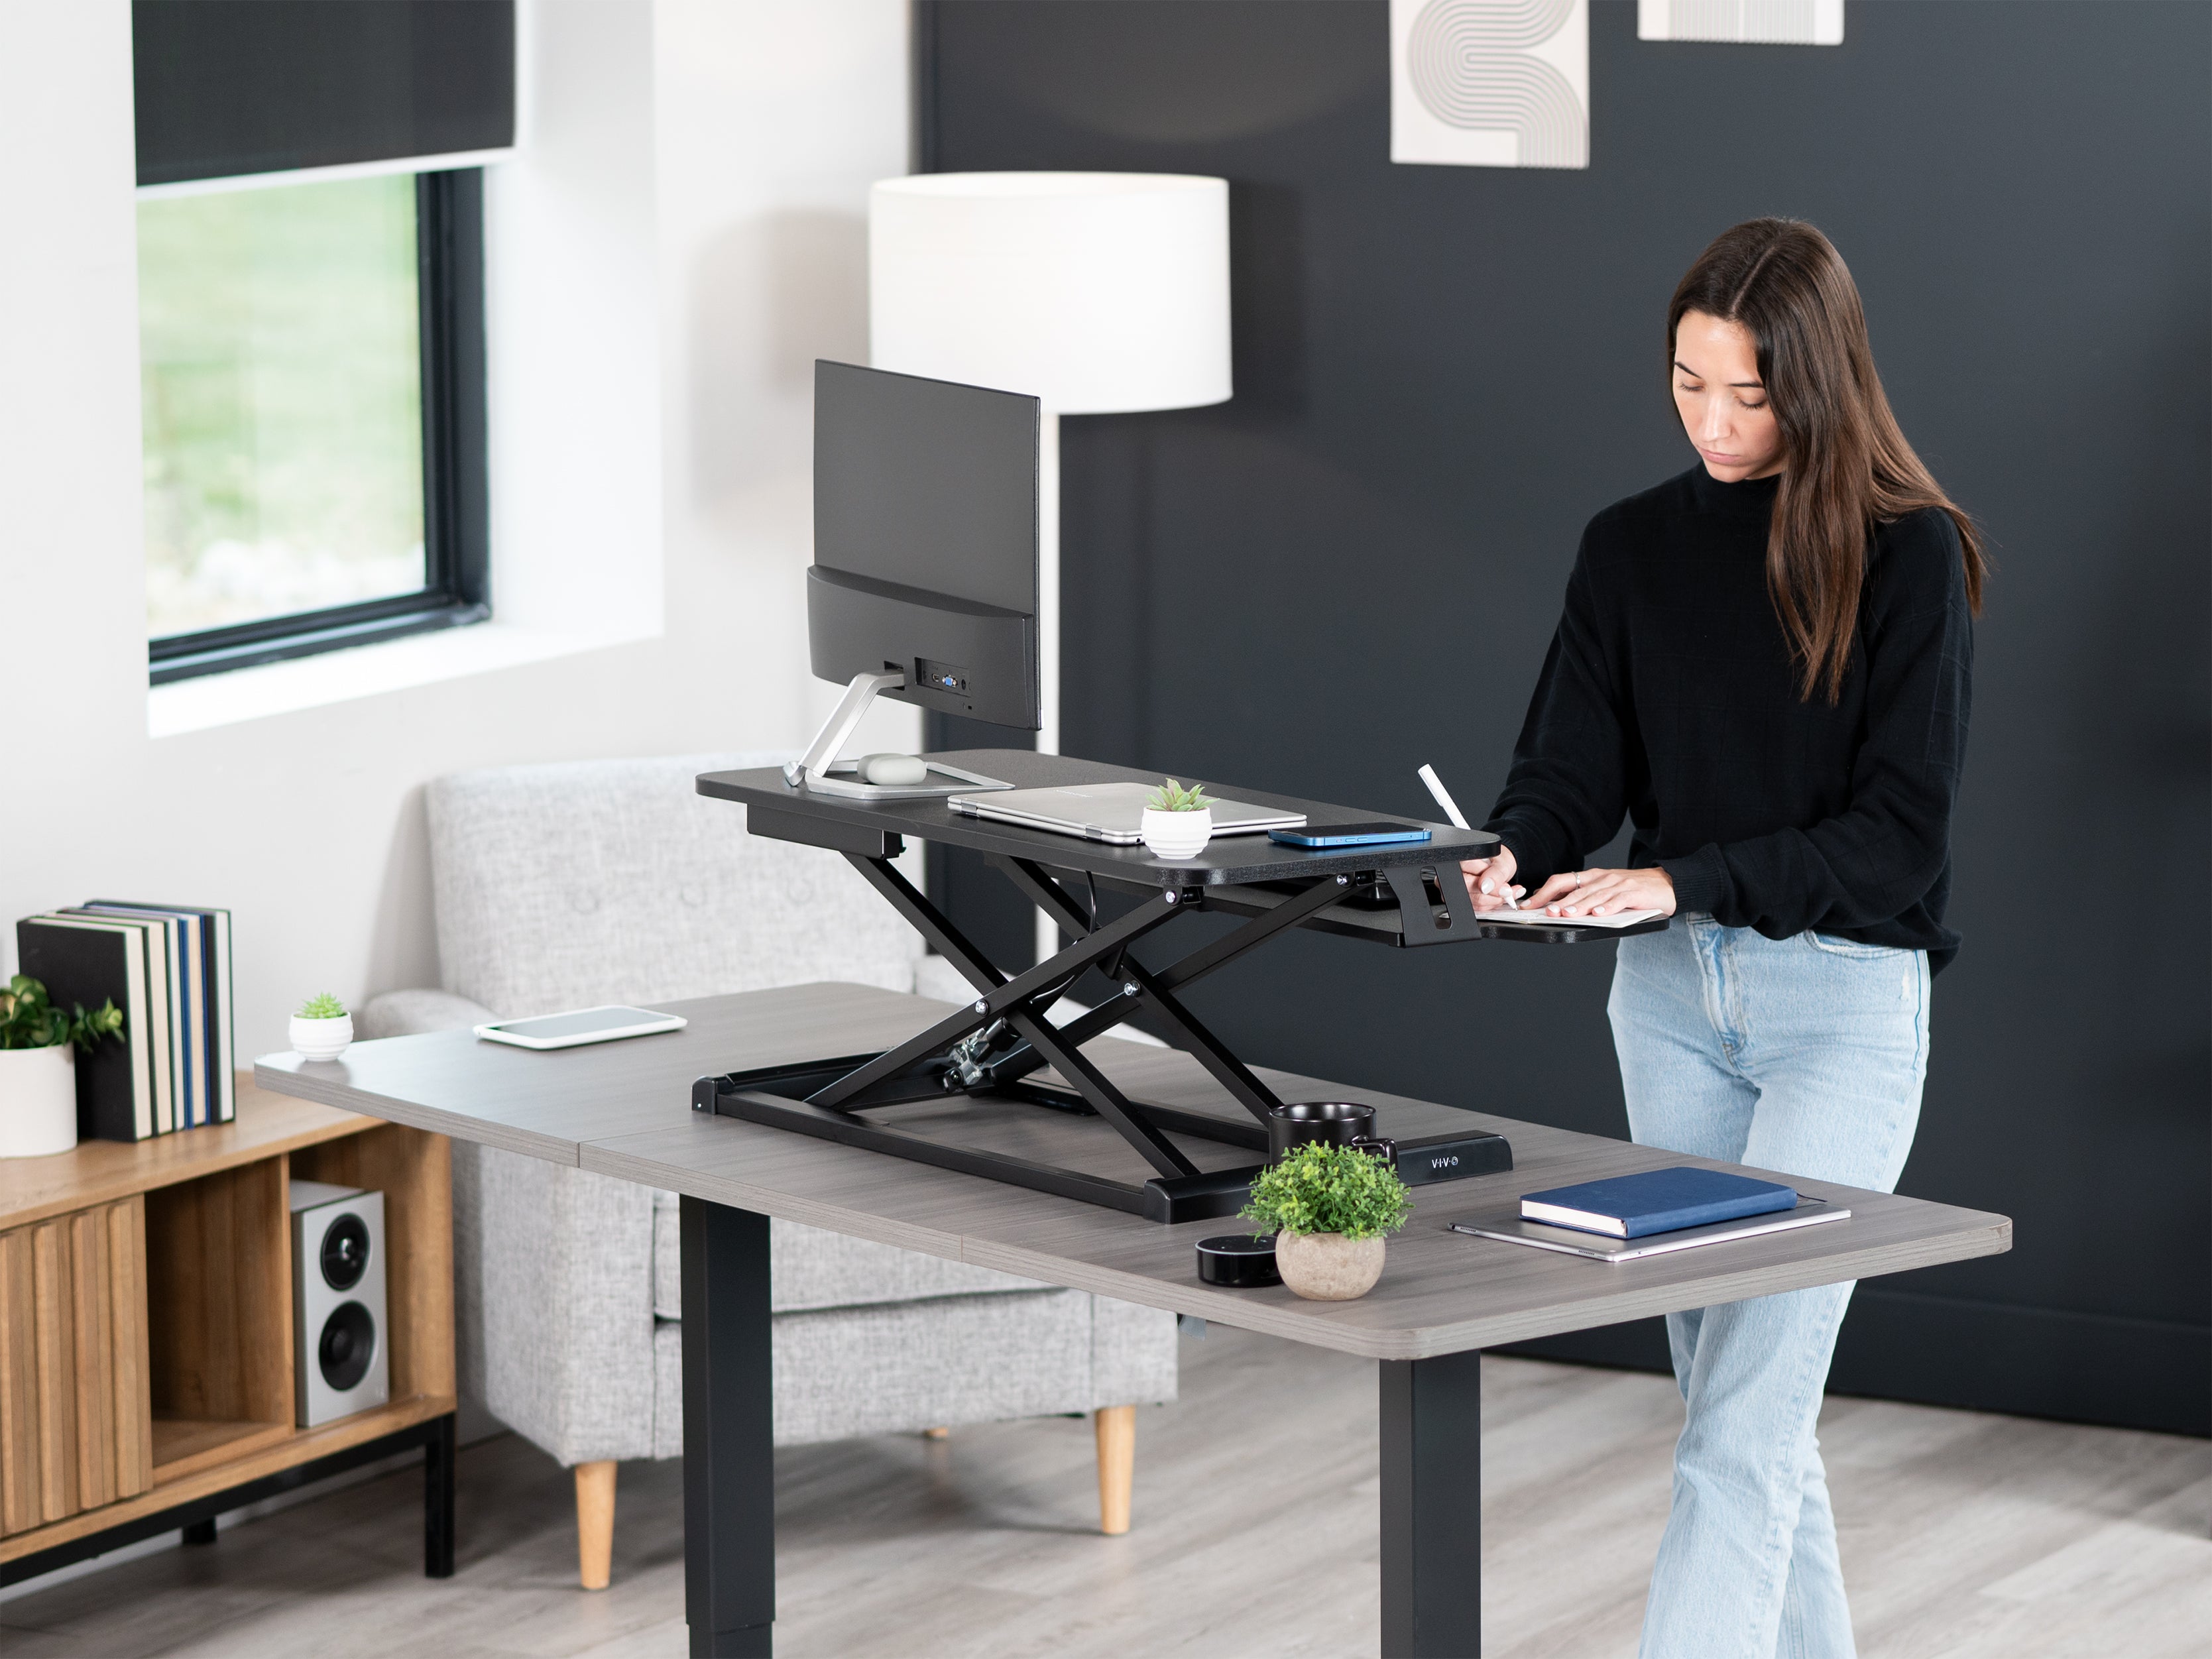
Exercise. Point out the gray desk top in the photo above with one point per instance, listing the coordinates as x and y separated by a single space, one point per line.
624 1109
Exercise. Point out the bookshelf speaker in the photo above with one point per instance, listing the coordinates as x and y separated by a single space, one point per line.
339 1360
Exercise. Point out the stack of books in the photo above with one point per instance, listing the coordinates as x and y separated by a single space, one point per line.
167 968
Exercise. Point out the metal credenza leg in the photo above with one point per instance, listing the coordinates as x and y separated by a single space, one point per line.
1432 1506
438 1454
729 1455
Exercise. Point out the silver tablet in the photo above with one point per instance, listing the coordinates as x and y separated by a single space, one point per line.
583 1025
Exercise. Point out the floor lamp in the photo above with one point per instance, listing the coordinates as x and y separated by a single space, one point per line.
1097 292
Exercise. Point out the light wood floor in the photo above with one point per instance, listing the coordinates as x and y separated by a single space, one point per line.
1964 1536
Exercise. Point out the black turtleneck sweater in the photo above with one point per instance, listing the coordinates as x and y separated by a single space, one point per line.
1669 696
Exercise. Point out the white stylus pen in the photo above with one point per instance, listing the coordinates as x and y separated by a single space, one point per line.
1443 796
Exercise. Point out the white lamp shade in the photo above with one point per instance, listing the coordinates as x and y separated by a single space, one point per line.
1097 293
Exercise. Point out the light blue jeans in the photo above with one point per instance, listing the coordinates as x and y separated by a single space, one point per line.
1804 1056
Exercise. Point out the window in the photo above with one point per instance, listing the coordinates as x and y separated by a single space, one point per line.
311 317
311 363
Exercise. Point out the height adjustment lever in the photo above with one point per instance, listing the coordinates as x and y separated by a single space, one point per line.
968 1062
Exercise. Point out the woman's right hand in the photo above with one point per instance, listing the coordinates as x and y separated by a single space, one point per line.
1490 881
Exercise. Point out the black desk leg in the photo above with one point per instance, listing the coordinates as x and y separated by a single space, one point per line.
729 1456
438 1499
1432 1507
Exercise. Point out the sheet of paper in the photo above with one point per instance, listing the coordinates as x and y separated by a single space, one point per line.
1538 919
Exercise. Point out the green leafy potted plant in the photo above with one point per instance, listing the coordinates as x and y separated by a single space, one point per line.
38 1066
322 1028
1178 822
1329 1208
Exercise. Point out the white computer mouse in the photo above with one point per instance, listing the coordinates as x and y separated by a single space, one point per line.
898 770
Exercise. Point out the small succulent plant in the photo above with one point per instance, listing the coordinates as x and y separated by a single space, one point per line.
324 1007
28 1019
1172 797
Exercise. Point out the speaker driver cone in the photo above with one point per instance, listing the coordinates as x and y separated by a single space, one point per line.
347 1345
346 1252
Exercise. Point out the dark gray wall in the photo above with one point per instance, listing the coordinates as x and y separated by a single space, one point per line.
1442 372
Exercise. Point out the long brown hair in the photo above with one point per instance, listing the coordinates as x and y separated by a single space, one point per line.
1846 466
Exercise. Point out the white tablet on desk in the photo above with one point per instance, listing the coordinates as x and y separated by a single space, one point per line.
583 1025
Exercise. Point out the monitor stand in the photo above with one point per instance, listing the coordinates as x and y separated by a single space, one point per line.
820 772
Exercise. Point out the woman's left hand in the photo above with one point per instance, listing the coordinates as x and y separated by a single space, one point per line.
1603 893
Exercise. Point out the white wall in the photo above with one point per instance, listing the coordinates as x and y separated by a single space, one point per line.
707 162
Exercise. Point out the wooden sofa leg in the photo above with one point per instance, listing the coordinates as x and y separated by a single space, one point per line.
1117 1467
595 1524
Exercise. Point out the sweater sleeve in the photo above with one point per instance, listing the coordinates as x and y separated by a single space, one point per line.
1881 853
1566 792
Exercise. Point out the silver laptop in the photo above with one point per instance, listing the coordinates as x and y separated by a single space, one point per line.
1111 812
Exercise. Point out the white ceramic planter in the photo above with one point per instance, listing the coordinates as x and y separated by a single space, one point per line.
38 1101
1329 1266
321 1039
1177 835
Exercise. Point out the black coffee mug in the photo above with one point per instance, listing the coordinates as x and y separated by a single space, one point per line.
1337 1122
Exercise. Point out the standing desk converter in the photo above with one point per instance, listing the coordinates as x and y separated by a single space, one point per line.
1409 895
626 1109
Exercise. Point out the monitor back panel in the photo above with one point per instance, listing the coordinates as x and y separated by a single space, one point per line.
926 539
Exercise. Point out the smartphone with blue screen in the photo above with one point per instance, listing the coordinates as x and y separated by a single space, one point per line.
1374 834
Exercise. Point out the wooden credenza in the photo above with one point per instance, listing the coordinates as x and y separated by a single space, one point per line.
76 1414
146 1368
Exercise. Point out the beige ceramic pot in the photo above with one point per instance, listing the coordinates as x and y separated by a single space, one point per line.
1329 1266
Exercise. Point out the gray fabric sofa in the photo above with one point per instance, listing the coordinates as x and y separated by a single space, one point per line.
561 886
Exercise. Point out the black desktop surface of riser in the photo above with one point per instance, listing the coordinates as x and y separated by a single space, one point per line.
1227 861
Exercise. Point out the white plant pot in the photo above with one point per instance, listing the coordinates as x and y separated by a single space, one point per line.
1177 835
321 1039
38 1101
1329 1266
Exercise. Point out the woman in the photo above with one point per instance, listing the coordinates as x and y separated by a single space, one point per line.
1764 664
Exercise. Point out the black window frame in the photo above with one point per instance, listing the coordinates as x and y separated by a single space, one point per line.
456 494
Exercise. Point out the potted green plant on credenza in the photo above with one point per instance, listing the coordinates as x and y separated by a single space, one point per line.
38 1066
1330 1208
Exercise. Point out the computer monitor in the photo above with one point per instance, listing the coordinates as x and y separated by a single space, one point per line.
926 541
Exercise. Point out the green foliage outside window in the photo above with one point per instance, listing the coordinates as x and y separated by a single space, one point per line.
281 400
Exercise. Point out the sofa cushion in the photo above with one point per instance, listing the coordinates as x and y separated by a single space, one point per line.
809 1268
552 1332
608 881
405 1013
1132 1352
946 1362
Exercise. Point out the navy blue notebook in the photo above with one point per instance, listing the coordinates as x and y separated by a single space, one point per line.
1657 1202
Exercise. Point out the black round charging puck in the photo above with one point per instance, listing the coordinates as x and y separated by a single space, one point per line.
1241 1261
